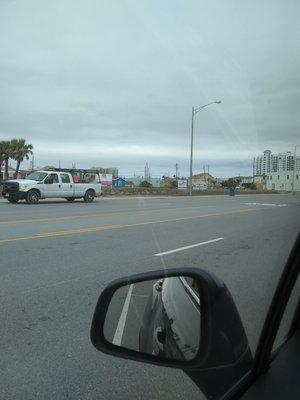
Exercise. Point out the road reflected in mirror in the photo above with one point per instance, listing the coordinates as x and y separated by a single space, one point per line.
159 317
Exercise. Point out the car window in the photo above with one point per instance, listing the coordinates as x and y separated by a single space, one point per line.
54 177
65 178
37 176
189 113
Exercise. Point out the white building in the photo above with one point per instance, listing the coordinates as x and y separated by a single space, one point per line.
262 164
279 162
246 179
283 181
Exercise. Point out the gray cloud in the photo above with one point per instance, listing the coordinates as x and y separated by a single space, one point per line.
113 83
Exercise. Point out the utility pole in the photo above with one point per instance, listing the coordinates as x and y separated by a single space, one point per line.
293 182
147 173
195 111
208 176
192 146
253 168
176 168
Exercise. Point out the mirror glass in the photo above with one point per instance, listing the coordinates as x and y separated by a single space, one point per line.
159 317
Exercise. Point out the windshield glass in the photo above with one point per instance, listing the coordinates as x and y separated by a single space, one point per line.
36 176
188 114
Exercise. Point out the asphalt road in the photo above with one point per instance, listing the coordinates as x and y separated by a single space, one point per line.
56 257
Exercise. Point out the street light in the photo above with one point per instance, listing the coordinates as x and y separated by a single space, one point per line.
294 168
195 110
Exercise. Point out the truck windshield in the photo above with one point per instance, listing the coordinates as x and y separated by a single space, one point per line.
37 176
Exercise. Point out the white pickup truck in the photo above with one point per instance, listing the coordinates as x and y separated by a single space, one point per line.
68 184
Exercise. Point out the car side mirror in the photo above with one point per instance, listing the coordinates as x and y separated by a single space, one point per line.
48 181
181 318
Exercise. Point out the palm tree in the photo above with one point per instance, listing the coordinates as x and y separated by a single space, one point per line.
5 154
20 150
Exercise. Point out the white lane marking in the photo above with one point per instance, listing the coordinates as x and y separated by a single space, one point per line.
188 247
266 204
121 324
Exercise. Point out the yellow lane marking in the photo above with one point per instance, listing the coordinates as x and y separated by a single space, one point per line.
63 233
72 217
79 231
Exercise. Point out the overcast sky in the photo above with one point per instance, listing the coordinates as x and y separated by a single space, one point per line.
112 83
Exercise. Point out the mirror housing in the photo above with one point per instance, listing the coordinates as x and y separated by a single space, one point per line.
224 352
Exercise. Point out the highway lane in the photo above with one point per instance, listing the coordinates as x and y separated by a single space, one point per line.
46 219
50 285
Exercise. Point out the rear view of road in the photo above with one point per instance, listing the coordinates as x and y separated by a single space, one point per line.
56 257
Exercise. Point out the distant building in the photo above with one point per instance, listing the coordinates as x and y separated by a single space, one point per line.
246 179
112 171
259 178
106 180
155 182
219 181
205 177
137 180
48 168
197 183
279 162
260 182
202 181
262 164
283 181
118 183
11 172
23 173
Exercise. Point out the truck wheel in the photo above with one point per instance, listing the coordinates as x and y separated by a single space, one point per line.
70 198
12 199
32 197
89 196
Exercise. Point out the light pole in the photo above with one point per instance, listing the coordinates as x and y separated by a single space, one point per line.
32 162
294 168
195 110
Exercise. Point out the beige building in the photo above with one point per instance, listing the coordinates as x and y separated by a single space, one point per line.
203 178
260 182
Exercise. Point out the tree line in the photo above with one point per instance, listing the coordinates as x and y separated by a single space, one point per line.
14 149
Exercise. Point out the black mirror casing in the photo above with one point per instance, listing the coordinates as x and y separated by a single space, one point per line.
97 329
224 355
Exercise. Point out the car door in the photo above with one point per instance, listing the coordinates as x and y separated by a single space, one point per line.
67 189
278 359
52 186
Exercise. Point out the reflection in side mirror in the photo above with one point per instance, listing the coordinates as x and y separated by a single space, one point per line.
157 317
182 318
